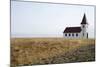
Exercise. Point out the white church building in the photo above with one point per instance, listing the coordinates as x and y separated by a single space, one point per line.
77 32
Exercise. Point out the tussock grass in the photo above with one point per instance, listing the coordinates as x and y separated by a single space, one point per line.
33 51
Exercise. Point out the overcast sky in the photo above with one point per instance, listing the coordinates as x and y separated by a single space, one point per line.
31 19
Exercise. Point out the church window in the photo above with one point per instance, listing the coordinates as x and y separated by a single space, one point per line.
69 34
65 34
76 34
73 34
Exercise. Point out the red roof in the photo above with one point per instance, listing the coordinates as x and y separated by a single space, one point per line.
72 30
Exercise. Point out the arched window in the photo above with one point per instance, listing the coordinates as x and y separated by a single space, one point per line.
73 34
66 34
69 34
76 34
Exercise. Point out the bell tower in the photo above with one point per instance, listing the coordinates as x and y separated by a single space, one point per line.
84 26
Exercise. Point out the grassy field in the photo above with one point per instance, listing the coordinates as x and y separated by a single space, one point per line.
34 51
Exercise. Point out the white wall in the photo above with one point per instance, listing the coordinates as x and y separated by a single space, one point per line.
85 35
84 30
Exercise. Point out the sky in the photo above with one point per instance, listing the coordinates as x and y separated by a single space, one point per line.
33 19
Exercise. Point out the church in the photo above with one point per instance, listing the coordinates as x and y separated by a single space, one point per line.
77 32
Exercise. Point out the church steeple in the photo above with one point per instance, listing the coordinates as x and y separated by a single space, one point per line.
84 21
84 26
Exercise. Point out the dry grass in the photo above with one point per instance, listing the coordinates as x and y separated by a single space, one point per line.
33 51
